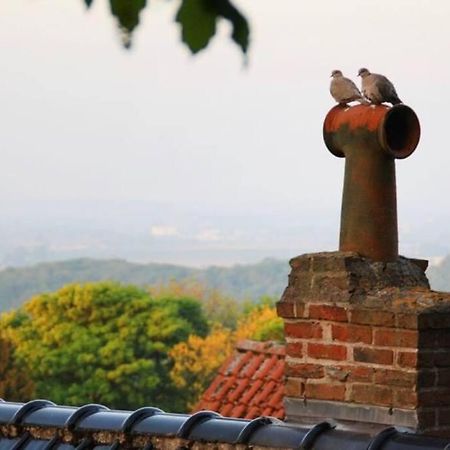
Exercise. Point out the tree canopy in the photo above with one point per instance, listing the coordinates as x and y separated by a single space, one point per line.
103 343
197 18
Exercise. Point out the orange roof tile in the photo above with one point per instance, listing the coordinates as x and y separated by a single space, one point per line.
250 383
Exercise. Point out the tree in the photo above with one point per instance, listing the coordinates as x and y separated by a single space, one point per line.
15 383
218 308
103 343
260 322
197 18
197 360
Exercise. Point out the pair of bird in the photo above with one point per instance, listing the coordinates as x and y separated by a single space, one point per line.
375 88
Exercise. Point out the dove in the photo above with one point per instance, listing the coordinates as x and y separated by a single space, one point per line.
377 88
343 90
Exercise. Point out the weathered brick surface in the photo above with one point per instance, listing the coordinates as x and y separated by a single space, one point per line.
305 370
347 373
390 377
294 349
294 387
371 394
373 355
351 333
372 317
328 312
427 378
303 329
439 396
327 351
406 321
407 359
405 398
395 338
325 391
368 333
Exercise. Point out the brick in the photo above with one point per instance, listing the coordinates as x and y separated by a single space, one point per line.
327 351
371 394
305 370
290 309
374 356
372 317
285 309
361 373
434 397
427 418
303 330
407 359
425 358
337 373
350 373
328 312
435 320
409 321
395 338
351 333
294 387
443 377
441 432
426 378
434 339
405 398
391 377
325 391
301 263
294 349
441 358
443 416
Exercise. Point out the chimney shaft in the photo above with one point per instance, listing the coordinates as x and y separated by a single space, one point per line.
370 138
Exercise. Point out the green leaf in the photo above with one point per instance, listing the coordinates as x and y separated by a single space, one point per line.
88 3
127 14
198 23
241 30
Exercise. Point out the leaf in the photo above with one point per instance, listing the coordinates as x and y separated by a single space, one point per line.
241 30
127 14
198 23
88 3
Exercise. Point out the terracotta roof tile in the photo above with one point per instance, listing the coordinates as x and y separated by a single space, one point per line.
250 383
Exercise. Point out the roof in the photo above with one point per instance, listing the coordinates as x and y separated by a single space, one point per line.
250 383
42 425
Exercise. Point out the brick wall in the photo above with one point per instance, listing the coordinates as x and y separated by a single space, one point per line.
366 341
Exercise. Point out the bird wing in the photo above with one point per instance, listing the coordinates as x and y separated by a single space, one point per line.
344 90
386 88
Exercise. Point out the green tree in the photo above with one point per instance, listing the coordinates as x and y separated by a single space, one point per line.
104 343
197 18
15 382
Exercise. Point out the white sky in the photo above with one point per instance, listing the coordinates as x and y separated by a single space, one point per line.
82 119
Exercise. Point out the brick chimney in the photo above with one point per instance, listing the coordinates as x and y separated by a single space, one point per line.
367 340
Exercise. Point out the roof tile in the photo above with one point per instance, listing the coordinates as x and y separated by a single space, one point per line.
250 383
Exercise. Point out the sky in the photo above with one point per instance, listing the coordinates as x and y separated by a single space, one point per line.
226 153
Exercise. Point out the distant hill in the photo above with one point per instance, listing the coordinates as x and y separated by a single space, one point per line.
268 277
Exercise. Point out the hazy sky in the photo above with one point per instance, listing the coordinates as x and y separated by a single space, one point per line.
84 120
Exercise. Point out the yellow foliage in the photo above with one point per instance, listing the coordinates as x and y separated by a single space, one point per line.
197 360
260 324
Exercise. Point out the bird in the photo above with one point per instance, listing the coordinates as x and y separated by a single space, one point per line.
377 88
343 90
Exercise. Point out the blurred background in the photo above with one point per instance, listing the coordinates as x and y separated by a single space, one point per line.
152 154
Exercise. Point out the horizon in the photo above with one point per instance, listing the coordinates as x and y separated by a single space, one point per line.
224 161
